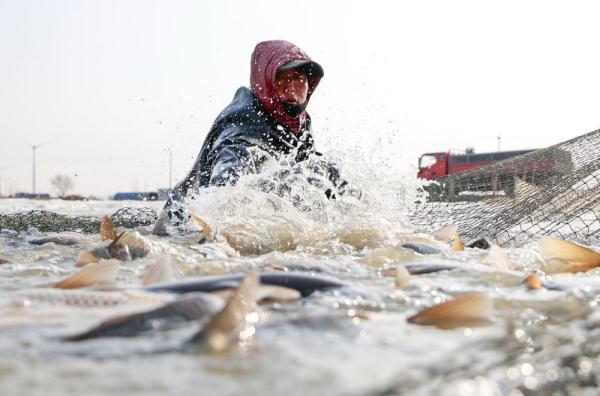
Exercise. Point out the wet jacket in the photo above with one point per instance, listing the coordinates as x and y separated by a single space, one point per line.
238 141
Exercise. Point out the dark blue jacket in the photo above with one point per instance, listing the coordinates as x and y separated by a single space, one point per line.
237 142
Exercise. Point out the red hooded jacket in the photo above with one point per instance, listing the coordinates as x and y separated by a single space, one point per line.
267 58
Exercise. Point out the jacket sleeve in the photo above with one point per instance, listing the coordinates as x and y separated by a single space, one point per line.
232 159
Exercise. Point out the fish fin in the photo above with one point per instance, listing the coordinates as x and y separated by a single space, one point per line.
131 239
563 256
273 293
402 277
457 245
202 224
160 227
107 324
498 259
533 282
107 229
117 241
228 324
445 233
84 257
468 310
160 272
101 272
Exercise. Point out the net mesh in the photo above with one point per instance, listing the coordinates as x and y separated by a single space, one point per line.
549 192
45 221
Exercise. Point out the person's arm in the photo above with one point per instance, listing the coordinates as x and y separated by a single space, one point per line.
231 160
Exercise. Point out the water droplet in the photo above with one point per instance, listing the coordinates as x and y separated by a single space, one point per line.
578 339
585 366
530 383
526 369
551 375
513 374
520 334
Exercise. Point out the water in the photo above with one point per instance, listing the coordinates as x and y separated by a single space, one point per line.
353 341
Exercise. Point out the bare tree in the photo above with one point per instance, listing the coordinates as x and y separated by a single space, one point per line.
63 184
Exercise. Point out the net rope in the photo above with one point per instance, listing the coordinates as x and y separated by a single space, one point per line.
549 192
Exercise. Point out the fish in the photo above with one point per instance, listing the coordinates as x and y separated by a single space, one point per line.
190 307
127 246
107 230
102 272
563 256
498 259
206 230
160 272
423 268
421 248
306 284
4 261
468 310
56 239
267 294
457 244
85 298
402 278
234 324
160 227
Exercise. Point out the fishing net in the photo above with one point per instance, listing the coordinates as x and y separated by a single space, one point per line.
45 221
548 192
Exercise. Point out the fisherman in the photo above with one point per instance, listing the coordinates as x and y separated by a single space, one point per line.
267 120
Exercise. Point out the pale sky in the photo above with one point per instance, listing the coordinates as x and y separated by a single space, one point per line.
112 84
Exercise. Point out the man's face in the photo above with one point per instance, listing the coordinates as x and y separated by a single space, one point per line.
292 86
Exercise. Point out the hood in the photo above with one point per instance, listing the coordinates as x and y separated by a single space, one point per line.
267 58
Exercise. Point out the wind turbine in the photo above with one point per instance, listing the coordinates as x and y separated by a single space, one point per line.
33 148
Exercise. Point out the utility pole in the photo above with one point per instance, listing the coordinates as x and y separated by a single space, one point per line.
170 168
33 148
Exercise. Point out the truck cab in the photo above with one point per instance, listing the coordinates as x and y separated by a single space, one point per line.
433 165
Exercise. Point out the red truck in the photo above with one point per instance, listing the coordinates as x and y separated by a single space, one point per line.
436 165
536 169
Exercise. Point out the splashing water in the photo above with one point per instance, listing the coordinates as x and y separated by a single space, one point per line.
354 340
285 207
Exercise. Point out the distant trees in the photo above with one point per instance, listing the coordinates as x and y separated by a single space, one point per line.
63 184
